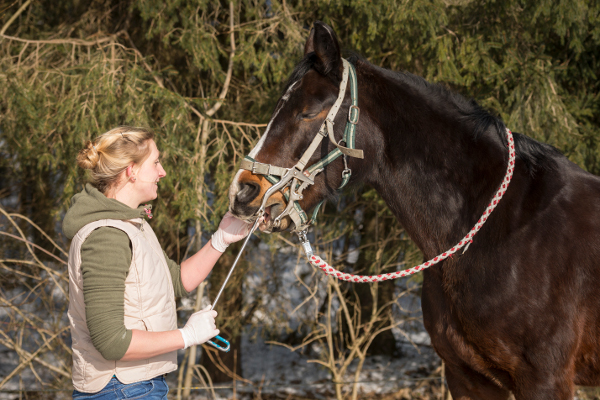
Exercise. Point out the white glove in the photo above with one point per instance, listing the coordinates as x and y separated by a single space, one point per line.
199 328
231 229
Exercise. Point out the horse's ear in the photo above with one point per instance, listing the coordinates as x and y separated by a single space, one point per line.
309 46
324 43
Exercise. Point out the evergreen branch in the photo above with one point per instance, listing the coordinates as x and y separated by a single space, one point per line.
159 81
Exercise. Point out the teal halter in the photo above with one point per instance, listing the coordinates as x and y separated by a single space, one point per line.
297 177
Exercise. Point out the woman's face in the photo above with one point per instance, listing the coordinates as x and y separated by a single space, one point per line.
148 175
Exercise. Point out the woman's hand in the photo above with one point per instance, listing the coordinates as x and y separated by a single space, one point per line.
199 328
231 230
195 269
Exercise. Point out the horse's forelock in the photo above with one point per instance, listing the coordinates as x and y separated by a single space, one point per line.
305 65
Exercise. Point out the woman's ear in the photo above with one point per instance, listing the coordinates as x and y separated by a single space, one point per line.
129 172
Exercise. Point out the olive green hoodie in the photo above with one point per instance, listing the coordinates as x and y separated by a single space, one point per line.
105 261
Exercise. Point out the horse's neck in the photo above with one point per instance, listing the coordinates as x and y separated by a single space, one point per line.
433 174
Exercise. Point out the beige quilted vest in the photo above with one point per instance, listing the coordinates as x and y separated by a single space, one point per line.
149 306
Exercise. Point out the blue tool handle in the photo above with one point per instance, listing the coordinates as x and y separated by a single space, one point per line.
219 338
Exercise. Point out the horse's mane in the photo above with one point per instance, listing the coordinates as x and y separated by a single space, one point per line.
533 154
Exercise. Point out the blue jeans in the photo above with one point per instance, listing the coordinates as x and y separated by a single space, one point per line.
154 389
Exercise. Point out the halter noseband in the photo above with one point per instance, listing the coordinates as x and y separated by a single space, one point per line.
297 178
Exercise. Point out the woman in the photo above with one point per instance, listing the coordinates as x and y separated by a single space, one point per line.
122 286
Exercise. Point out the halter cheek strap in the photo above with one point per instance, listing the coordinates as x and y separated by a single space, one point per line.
297 178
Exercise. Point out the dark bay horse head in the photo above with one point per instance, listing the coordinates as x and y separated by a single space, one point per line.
309 94
519 311
409 130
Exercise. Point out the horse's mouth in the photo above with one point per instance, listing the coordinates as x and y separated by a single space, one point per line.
264 225
271 213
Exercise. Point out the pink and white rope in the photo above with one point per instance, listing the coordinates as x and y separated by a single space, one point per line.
329 270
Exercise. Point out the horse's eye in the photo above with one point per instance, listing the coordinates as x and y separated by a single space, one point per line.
307 115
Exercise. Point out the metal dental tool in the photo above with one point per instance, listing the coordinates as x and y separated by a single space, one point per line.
260 213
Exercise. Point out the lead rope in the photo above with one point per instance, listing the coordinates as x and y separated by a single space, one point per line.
465 242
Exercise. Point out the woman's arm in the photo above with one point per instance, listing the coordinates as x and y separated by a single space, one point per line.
145 344
106 257
196 268
199 328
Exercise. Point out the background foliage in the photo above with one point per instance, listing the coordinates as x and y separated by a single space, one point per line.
73 69
206 75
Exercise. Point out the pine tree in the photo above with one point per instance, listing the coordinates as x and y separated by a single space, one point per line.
206 76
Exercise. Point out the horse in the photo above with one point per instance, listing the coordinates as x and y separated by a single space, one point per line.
519 312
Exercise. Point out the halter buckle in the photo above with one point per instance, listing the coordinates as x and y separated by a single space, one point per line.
350 119
323 129
260 168
347 171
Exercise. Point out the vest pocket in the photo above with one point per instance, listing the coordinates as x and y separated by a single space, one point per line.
135 323
148 324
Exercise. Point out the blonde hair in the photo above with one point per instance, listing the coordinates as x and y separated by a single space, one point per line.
111 153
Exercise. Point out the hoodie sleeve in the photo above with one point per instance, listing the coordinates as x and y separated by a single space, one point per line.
105 260
175 270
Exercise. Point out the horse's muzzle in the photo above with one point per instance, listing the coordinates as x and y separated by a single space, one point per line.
246 196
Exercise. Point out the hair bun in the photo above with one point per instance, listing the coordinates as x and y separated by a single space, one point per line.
108 155
88 157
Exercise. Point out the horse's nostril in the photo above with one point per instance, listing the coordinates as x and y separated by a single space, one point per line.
248 192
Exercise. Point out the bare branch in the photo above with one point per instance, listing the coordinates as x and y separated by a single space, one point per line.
15 16
28 243
218 104
222 121
41 231
79 42
51 367
32 356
